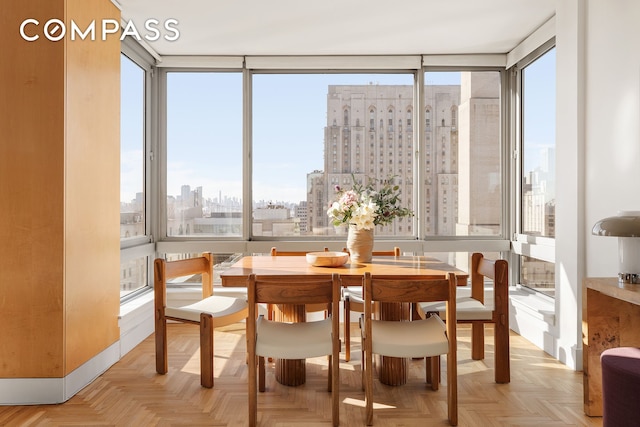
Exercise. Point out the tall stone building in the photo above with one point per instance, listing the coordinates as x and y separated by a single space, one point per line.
480 190
370 133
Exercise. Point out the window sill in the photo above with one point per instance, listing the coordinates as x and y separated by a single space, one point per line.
537 306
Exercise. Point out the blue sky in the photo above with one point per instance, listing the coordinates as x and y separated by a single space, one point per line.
539 106
204 128
131 114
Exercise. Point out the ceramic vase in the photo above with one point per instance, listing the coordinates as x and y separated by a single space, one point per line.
359 244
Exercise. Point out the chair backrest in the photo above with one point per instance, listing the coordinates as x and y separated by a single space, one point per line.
394 252
411 289
164 270
496 270
276 252
293 288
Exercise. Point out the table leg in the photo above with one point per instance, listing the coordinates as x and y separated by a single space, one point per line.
393 370
291 372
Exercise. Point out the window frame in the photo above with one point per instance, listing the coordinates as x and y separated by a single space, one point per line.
142 246
539 247
250 65
338 71
160 174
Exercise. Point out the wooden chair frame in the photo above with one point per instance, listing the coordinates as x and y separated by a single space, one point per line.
164 270
356 304
412 289
292 289
498 271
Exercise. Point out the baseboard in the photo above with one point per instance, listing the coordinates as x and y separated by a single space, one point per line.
136 324
42 391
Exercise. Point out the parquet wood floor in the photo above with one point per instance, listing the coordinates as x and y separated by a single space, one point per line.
542 392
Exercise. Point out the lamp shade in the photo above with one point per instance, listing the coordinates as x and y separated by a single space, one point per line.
626 224
626 227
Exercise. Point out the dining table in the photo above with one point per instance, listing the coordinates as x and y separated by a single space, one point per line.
391 370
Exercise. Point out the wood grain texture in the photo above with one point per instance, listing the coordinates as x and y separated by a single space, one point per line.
542 391
92 187
611 319
59 174
31 183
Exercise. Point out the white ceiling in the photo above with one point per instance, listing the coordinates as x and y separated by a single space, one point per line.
346 27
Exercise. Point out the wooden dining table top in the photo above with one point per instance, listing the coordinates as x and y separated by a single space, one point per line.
350 274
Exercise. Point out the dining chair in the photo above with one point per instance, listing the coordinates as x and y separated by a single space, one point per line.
211 312
422 338
475 310
353 301
287 340
309 307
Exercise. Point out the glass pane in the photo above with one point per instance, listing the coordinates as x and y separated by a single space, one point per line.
132 133
537 275
313 132
461 159
538 146
133 275
204 154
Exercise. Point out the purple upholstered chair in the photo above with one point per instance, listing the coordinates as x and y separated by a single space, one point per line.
621 387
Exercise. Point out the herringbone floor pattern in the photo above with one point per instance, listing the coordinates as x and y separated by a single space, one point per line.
542 391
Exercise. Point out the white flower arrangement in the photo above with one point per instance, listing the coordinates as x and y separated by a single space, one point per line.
365 207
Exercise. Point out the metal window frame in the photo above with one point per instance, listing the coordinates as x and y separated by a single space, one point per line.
386 64
143 246
538 247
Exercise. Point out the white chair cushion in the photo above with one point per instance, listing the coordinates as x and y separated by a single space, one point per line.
467 309
298 340
354 293
225 310
419 338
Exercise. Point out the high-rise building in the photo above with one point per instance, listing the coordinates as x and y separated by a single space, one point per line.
370 134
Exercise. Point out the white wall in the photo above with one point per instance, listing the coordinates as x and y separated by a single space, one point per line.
598 158
598 148
569 238
612 126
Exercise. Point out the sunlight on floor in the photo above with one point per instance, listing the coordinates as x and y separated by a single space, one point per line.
360 403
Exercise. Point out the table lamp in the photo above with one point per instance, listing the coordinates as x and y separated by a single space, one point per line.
626 226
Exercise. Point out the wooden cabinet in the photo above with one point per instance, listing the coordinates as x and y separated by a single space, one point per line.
611 318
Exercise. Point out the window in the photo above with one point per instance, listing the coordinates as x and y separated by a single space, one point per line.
244 183
538 174
204 154
132 148
284 158
538 146
468 161
135 252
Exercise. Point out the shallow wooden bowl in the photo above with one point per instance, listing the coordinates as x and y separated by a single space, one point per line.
327 259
